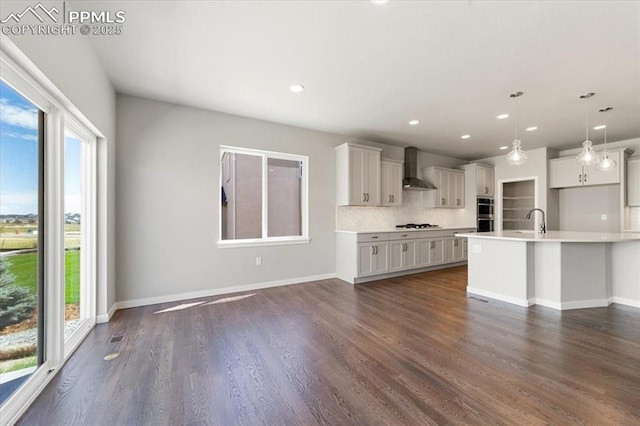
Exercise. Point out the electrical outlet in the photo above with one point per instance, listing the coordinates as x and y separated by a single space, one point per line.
603 217
258 261
476 248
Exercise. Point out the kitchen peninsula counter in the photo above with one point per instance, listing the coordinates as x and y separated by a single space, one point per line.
559 269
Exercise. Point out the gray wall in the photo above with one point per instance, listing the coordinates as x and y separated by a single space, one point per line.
582 207
72 66
168 196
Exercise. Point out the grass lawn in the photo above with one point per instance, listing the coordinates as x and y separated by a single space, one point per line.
25 267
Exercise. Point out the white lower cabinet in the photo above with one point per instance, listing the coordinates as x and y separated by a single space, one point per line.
373 259
363 256
402 255
430 252
454 250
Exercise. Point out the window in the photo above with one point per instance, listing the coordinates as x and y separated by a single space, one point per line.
263 198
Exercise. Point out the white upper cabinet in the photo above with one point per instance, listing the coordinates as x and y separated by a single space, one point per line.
481 177
391 183
484 181
565 172
450 188
633 182
358 175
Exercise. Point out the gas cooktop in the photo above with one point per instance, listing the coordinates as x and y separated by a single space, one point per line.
418 226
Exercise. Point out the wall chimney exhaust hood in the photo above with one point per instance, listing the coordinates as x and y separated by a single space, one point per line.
411 180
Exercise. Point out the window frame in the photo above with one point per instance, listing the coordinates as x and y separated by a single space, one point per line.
304 200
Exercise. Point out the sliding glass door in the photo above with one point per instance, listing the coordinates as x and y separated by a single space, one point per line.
21 239
48 241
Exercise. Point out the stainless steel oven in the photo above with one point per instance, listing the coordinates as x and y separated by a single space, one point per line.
484 214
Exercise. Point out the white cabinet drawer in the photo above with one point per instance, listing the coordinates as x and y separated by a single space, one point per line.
364 238
409 235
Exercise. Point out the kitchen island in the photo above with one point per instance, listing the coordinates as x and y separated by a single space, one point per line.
558 269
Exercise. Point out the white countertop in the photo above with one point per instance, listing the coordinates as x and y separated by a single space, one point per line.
380 231
556 236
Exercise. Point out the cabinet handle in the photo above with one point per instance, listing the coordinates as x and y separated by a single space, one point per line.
580 178
443 201
457 201
455 242
486 189
585 178
373 250
389 199
364 197
393 198
433 244
376 249
404 246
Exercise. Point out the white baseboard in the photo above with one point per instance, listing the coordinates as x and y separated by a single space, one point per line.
547 303
514 300
582 304
218 291
625 301
106 317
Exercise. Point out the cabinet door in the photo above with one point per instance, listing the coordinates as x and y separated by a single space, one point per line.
484 181
365 259
593 176
357 195
565 173
449 254
381 259
410 255
456 183
423 257
633 182
396 184
372 178
386 183
437 251
396 252
458 249
442 193
390 184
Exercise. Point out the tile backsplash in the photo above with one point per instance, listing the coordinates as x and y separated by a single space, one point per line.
411 211
632 219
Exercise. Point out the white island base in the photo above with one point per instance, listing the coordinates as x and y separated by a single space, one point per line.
561 270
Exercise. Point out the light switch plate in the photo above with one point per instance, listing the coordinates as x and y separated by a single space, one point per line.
476 248
603 216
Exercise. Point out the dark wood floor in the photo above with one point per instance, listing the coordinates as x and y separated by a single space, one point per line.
411 350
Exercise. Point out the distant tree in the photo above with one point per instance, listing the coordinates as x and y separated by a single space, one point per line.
16 303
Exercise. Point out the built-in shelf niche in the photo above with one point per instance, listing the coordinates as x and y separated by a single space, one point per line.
518 198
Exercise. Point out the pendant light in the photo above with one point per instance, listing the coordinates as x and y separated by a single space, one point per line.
516 156
605 164
587 157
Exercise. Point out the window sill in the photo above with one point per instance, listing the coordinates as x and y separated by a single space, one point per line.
226 244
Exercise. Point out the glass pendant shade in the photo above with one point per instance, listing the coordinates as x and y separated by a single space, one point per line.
516 156
605 164
587 157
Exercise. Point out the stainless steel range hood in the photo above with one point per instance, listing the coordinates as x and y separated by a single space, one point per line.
411 180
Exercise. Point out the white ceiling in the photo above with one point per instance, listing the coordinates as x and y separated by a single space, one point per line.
368 69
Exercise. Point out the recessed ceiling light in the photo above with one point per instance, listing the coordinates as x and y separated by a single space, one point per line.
296 88
414 122
465 136
379 1
600 127
502 148
502 116
531 129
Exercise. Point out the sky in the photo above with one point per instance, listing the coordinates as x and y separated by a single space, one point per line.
19 157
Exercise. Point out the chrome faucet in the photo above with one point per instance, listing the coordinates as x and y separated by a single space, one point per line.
543 227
